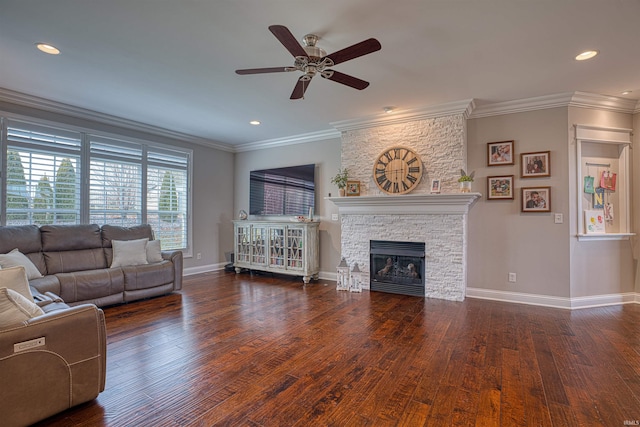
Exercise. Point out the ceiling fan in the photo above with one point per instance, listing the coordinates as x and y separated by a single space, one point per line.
312 60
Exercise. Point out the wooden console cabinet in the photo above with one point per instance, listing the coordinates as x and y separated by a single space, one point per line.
284 247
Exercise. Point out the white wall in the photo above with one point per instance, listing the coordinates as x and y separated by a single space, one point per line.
326 156
502 239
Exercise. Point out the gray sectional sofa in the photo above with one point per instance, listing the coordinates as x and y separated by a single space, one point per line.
75 261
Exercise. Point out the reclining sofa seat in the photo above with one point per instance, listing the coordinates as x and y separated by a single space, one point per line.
74 261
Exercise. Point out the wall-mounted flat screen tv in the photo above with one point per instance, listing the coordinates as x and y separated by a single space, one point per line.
282 191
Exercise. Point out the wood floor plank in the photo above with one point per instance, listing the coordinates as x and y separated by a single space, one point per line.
262 350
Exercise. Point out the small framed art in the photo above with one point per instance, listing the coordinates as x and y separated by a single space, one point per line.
534 165
353 188
500 153
435 186
500 187
536 199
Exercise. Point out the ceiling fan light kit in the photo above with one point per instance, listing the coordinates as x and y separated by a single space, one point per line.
311 60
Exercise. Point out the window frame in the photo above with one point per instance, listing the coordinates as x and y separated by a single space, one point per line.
17 121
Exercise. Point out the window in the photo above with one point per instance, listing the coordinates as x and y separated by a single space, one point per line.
43 176
57 176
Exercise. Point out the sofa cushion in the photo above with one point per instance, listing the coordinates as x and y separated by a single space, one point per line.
114 232
129 252
15 308
91 284
78 260
15 258
70 237
24 237
147 276
154 252
16 278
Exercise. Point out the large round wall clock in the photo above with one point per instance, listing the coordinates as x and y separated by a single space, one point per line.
397 170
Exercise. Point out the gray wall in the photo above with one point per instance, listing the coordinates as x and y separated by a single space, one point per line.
326 156
502 239
212 192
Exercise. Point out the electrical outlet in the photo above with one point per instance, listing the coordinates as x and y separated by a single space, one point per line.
198 255
334 217
558 219
512 277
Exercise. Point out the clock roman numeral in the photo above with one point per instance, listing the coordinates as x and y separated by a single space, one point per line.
415 159
388 156
380 162
380 171
396 153
386 186
396 187
405 187
381 179
414 169
412 178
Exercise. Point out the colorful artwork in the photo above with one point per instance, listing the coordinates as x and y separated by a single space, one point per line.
598 198
594 222
588 184
608 181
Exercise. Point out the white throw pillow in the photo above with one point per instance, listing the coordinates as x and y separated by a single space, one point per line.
129 252
154 251
16 258
14 308
16 278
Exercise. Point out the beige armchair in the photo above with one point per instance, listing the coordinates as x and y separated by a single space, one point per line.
50 363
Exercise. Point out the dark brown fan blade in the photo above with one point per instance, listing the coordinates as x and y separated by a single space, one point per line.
359 49
264 70
345 79
287 39
301 87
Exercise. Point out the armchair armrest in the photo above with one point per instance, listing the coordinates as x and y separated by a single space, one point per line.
51 363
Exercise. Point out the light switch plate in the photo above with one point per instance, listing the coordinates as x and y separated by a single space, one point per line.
558 218
334 217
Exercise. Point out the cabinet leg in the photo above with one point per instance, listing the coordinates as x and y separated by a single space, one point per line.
306 279
315 277
238 270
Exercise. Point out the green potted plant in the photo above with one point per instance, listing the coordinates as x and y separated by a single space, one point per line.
465 181
340 180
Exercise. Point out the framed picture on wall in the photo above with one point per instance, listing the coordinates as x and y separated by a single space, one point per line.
500 153
500 187
534 165
353 188
536 199
435 186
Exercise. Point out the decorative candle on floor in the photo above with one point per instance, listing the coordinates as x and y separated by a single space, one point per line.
356 279
343 276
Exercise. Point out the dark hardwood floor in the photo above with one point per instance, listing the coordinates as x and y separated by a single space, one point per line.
262 351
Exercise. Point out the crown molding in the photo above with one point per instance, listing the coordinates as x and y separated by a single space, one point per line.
30 101
637 109
464 107
567 99
289 140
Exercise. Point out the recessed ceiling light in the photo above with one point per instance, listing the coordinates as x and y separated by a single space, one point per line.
627 92
388 110
254 122
588 54
47 48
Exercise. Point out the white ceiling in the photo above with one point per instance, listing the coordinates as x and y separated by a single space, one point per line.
171 63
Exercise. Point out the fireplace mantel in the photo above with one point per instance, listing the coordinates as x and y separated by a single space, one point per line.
408 204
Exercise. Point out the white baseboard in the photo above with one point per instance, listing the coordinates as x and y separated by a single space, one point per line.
203 269
552 301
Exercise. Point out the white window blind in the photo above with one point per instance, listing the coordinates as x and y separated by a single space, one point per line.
167 195
43 175
115 182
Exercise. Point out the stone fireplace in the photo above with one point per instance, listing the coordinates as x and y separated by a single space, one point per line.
439 221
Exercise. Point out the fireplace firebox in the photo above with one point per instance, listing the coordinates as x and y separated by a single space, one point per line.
397 267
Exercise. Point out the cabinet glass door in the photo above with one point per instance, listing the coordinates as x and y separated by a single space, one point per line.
276 243
259 242
295 238
243 251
